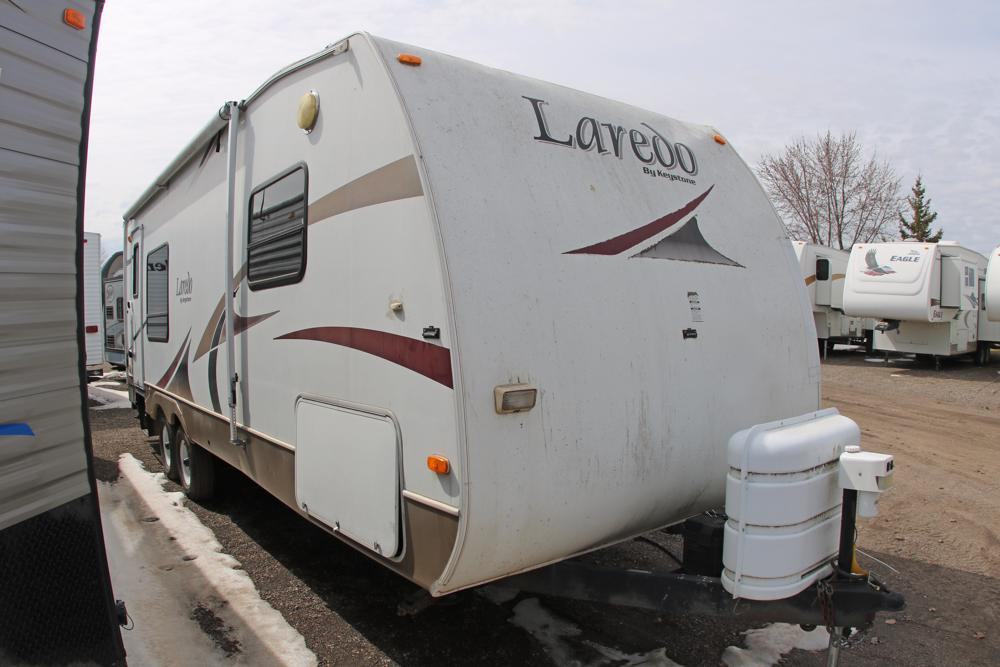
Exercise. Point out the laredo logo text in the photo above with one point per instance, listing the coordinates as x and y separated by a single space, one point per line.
184 288
610 139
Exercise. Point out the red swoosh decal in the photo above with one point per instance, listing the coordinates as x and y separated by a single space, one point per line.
431 361
625 241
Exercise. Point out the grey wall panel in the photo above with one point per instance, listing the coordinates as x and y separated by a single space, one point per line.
34 18
42 102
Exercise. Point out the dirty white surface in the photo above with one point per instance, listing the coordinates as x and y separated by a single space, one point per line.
107 397
766 645
189 602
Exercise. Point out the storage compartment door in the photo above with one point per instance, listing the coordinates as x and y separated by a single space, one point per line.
347 472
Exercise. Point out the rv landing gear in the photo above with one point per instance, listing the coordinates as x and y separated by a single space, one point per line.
983 353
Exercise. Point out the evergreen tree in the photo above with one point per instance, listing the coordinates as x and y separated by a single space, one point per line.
918 228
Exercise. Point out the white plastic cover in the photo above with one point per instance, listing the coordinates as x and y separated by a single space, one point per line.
783 502
993 286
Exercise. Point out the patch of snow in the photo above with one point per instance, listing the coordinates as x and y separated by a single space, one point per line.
263 634
766 645
556 636
109 398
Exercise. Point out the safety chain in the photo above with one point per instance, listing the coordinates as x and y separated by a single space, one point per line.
824 593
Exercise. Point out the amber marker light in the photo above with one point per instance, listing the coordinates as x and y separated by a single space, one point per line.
74 18
719 139
409 59
439 464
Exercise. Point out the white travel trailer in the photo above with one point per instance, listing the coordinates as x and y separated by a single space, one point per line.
928 297
479 323
114 310
93 313
992 299
823 269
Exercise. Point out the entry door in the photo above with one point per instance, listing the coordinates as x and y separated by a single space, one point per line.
134 317
823 281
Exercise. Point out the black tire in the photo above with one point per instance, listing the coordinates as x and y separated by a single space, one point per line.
168 447
196 467
982 353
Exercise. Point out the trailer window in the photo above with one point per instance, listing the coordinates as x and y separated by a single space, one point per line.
276 233
970 277
158 294
120 309
135 270
822 269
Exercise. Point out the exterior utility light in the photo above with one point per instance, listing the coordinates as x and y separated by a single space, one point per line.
74 18
308 111
439 464
409 59
509 398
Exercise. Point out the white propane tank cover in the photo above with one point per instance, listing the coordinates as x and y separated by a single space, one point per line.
783 502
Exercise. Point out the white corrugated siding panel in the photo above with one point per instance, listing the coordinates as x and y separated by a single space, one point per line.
41 103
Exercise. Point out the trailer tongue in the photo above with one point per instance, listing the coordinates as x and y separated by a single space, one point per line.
786 543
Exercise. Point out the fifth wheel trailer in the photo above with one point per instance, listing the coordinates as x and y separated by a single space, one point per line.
473 324
823 270
929 298
57 605
992 299
114 310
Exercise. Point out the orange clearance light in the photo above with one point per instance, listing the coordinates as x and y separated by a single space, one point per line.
719 139
409 59
439 464
74 19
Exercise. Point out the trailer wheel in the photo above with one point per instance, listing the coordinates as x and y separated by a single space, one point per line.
168 447
196 467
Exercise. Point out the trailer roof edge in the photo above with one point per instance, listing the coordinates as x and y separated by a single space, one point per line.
218 123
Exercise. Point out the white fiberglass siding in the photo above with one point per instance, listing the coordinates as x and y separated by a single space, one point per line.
647 357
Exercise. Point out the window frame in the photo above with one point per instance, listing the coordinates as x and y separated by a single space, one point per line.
290 279
135 270
826 264
166 337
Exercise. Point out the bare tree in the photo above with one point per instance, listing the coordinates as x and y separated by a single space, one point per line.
828 194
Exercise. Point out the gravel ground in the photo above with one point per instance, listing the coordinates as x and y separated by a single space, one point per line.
941 426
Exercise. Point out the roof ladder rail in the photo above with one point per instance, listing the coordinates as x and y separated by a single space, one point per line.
231 112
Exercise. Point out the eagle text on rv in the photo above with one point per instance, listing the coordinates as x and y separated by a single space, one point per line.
589 135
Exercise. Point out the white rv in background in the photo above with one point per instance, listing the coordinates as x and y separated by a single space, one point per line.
93 311
114 310
993 286
823 269
472 323
928 298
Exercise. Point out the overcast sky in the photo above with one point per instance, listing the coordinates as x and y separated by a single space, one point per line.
918 81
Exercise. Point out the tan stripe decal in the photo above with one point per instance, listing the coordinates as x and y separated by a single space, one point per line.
810 279
205 342
839 276
396 180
